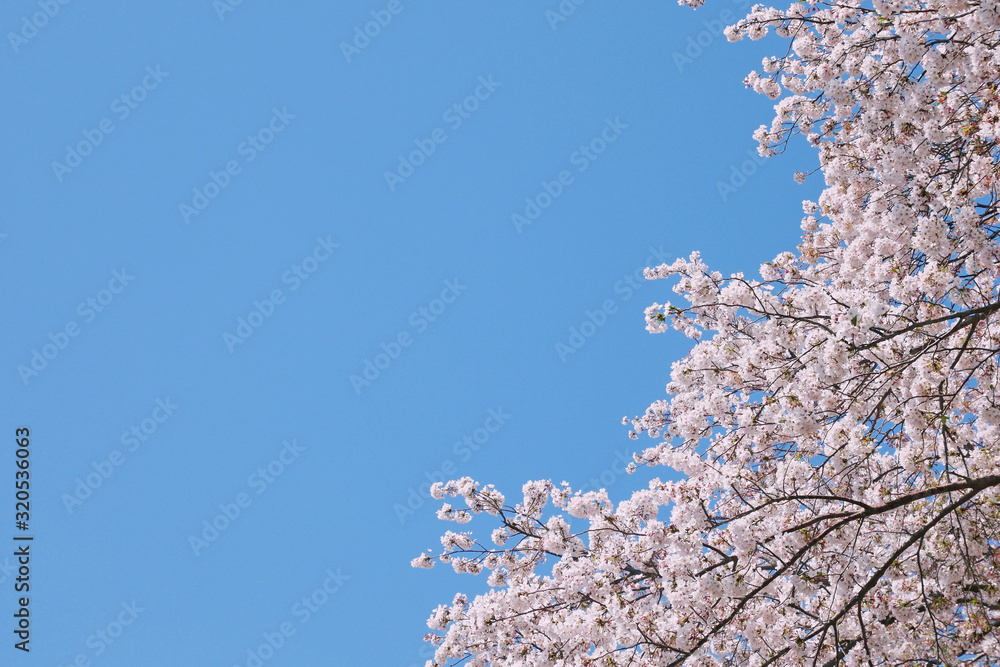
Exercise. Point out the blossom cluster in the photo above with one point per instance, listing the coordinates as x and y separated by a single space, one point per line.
837 418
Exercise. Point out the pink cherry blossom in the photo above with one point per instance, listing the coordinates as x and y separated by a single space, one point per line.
837 417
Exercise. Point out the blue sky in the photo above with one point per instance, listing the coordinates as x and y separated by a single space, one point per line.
202 246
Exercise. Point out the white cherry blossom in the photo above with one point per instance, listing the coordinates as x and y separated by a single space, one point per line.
837 417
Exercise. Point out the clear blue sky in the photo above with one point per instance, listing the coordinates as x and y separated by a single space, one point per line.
167 172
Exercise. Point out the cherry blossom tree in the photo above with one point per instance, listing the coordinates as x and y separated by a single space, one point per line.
837 419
